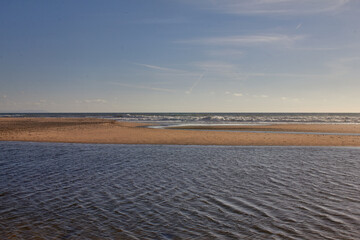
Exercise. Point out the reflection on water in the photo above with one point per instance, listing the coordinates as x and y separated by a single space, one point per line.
72 191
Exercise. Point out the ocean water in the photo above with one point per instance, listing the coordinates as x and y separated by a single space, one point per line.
210 118
99 191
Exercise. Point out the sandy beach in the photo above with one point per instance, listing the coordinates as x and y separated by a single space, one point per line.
89 130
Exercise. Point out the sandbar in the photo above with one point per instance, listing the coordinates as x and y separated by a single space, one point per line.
91 130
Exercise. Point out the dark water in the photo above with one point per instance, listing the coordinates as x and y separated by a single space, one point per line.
87 191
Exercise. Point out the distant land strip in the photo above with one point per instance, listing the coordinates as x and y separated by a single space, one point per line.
92 130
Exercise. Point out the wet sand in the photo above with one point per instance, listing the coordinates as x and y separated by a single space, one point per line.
88 130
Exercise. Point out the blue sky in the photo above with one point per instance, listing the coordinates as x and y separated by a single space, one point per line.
180 56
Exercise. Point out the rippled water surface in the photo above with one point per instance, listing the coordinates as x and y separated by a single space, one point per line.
88 191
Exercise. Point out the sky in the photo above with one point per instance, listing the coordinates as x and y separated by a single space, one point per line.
180 56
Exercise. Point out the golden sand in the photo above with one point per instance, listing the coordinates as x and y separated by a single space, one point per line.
87 130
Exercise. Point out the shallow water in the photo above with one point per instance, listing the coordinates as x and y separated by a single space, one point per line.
89 191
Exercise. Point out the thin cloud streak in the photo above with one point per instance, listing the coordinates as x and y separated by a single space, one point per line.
159 68
245 39
225 52
316 48
227 71
91 101
142 87
270 7
195 83
173 20
296 75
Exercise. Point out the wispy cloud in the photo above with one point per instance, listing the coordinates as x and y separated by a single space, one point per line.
142 87
219 70
260 96
316 48
225 52
95 100
344 68
282 7
195 83
246 40
289 75
291 99
173 20
236 94
3 99
349 59
158 67
227 71
212 66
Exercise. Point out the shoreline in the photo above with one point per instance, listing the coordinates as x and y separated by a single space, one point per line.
92 130
304 128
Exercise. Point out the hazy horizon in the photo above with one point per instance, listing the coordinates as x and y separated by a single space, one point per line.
264 56
50 112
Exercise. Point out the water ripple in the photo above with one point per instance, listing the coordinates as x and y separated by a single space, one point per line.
84 191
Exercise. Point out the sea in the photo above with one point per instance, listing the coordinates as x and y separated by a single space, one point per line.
115 191
210 118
